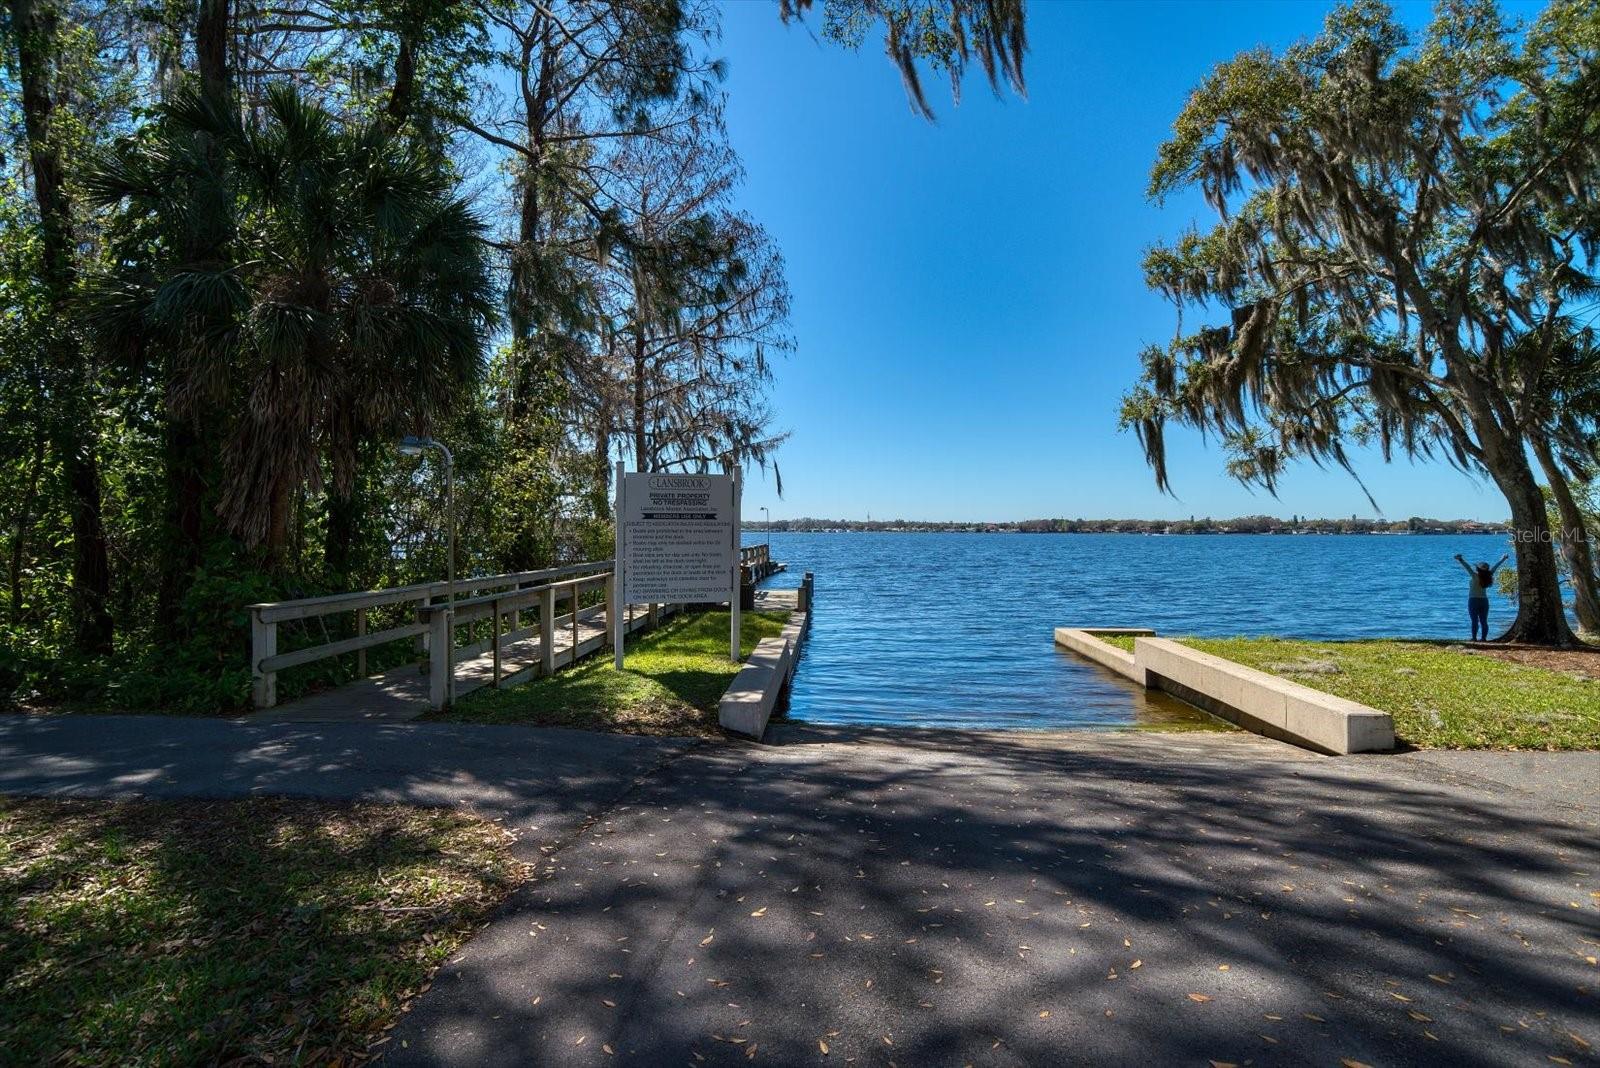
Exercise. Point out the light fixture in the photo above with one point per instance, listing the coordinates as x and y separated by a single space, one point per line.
415 446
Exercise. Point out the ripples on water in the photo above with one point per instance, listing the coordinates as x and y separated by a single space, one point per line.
955 630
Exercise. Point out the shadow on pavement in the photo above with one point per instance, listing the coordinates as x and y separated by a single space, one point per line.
1102 899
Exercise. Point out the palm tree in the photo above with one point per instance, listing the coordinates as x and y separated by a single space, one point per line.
347 297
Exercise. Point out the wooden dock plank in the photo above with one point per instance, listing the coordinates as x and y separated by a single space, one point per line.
401 693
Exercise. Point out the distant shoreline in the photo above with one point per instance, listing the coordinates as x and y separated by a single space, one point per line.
1319 527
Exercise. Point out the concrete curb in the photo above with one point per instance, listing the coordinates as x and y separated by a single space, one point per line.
1255 700
754 694
1082 641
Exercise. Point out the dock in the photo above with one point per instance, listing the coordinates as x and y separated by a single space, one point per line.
517 627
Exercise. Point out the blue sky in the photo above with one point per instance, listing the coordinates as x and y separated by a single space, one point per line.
968 303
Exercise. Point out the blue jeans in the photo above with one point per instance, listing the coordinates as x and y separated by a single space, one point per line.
1478 612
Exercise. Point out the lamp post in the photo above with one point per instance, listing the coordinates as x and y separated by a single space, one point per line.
415 446
766 521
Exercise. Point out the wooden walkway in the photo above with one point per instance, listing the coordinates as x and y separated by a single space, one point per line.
486 603
777 600
401 693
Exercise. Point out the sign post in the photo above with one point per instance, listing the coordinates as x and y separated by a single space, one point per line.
619 613
677 543
734 606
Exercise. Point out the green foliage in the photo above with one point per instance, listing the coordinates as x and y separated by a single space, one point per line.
1403 229
333 292
945 34
249 283
205 673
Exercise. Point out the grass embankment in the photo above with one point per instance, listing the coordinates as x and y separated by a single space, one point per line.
670 685
260 931
1440 697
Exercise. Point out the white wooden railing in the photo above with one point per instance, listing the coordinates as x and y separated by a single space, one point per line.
503 609
435 623
515 591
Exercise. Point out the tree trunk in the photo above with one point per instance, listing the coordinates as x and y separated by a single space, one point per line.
523 296
1575 548
72 415
344 521
280 509
20 530
186 454
1541 616
91 563
402 96
602 463
211 46
641 459
185 487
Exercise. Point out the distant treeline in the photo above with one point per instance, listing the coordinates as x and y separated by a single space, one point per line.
1250 524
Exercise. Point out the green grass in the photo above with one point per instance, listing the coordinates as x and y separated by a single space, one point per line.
670 685
250 931
1440 698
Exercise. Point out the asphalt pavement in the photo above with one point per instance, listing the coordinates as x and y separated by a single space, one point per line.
937 898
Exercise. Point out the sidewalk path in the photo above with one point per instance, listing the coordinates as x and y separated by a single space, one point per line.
1560 778
543 783
935 898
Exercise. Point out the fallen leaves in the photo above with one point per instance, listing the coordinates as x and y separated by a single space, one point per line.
402 890
1201 998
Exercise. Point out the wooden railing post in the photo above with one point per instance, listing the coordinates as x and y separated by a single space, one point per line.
494 632
573 659
547 630
611 606
439 666
263 643
361 632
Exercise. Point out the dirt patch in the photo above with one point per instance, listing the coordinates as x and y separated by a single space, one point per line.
1585 662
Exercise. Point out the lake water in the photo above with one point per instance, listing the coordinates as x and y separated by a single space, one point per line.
956 630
